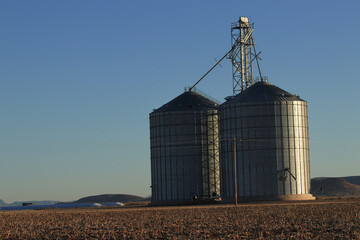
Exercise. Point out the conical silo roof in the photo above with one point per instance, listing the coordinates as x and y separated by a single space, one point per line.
264 92
188 101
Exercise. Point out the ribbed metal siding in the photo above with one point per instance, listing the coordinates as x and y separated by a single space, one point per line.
272 137
184 154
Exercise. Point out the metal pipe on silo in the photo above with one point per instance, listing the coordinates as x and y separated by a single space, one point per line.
235 169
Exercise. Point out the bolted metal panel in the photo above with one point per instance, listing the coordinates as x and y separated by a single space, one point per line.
184 144
271 127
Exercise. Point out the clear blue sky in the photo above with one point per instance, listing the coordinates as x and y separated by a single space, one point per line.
79 78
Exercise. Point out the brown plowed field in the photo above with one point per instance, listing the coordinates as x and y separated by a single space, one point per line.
324 219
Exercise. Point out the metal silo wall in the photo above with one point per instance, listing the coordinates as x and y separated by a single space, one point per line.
184 155
272 145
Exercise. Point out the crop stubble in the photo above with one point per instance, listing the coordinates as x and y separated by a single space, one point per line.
322 220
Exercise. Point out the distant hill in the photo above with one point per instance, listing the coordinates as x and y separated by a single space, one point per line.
2 203
111 198
13 204
340 186
353 179
334 187
34 203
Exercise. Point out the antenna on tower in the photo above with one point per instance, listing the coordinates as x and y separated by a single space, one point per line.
243 55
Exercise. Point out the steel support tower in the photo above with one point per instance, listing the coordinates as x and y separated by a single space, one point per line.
210 154
242 54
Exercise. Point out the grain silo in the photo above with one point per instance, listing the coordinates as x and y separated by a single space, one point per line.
270 126
184 144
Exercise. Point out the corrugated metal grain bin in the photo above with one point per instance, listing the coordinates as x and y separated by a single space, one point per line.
184 144
272 150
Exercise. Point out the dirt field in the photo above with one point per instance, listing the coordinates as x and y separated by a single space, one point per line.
324 219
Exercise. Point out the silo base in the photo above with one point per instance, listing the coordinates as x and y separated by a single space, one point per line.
171 203
292 197
296 197
184 202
